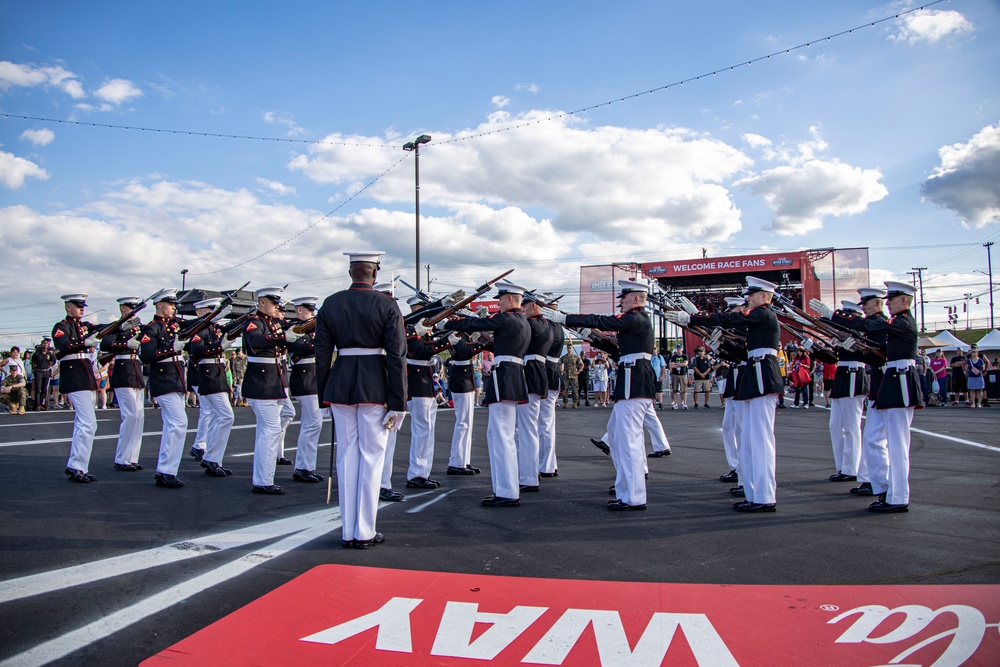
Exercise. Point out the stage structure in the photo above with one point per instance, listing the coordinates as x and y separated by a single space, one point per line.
828 274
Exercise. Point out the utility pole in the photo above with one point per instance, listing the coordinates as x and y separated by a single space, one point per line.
989 265
968 298
428 267
920 276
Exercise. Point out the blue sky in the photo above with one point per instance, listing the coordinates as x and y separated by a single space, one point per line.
888 137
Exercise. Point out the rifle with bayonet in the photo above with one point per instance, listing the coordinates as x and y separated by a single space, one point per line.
831 330
124 319
206 320
465 301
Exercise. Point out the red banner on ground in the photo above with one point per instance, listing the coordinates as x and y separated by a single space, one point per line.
343 615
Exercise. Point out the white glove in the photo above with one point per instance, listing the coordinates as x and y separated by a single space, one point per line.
454 339
482 311
798 318
847 343
714 337
93 341
553 315
393 420
453 298
677 317
440 325
132 343
475 337
222 313
585 333
687 306
821 308
179 345
291 336
421 329
807 344
130 323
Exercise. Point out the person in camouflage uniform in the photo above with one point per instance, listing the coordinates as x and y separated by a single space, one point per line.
239 369
13 390
571 367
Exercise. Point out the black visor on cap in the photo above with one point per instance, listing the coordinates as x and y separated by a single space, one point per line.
78 302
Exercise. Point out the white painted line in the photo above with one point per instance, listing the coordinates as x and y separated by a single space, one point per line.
109 624
103 437
424 506
17 423
953 439
45 582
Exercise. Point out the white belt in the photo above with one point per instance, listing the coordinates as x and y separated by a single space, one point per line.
172 357
361 351
632 358
761 352
262 360
125 356
899 364
500 358
303 362
76 355
552 360
212 360
466 362
418 362
534 357
851 364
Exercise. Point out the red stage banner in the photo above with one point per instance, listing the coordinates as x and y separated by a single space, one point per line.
344 615
714 265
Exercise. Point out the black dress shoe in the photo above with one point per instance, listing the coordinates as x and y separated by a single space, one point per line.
137 466
475 471
373 542
282 461
885 508
390 496
738 503
529 489
499 501
305 476
841 477
619 506
212 468
422 483
452 470
863 489
125 467
78 476
611 490
168 481
348 544
757 507
601 445
659 454
730 477
272 490
738 492
197 453
548 475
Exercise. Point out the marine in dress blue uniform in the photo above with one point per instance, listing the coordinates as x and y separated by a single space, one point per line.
129 387
735 356
385 485
537 378
302 387
462 387
207 353
548 464
365 389
73 340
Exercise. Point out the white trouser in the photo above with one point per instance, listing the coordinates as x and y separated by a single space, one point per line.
133 419
361 441
220 423
526 440
873 444
267 412
897 431
423 417
758 473
845 432
287 417
461 438
502 448
721 384
652 424
547 433
204 418
731 427
175 423
628 449
310 427
390 451
84 429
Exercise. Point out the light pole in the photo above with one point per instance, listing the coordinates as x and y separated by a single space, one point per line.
415 147
989 265
184 273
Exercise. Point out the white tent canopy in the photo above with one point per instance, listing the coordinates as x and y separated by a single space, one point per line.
990 341
951 342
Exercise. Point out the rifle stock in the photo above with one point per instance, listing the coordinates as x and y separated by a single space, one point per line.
455 307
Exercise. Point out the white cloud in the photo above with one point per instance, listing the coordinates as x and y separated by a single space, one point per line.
13 171
15 74
42 137
616 182
281 118
117 91
277 187
500 101
526 88
756 141
967 181
930 25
